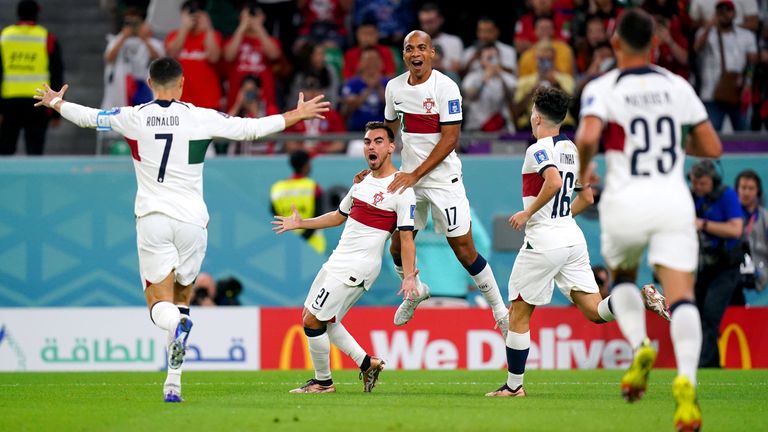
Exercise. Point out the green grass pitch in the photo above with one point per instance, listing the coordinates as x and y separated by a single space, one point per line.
402 401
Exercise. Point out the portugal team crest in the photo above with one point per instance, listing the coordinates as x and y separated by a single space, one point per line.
428 105
378 197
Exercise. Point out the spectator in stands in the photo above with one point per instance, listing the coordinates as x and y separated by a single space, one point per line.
488 33
525 29
127 59
36 59
303 193
544 29
745 13
750 189
722 77
197 46
249 103
672 49
312 63
545 75
163 16
368 36
204 291
488 93
760 82
323 22
586 47
228 292
450 46
332 123
252 51
607 10
395 18
362 98
602 59
720 227
281 18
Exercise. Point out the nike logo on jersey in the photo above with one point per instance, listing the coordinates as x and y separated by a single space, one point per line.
398 103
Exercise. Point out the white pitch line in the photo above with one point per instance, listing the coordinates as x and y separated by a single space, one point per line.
258 383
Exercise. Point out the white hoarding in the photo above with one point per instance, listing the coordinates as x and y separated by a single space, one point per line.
124 339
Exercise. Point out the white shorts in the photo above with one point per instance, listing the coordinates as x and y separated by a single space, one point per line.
534 271
330 298
449 206
166 244
669 234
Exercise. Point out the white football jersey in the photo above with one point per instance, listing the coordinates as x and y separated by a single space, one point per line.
422 109
168 141
647 114
553 226
373 215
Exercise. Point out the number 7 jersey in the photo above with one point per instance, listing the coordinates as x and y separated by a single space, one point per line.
168 141
647 113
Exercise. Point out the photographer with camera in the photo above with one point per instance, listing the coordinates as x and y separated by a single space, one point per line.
754 271
719 225
488 92
127 59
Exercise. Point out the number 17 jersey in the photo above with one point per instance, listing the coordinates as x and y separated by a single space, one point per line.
647 113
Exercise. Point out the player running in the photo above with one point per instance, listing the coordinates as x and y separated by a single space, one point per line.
425 106
168 140
371 214
554 249
648 118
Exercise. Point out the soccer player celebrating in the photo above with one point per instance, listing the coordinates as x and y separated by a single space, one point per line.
425 106
372 214
648 118
554 248
168 140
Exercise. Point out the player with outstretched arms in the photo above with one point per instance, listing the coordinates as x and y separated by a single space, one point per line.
648 119
425 106
554 248
371 214
168 140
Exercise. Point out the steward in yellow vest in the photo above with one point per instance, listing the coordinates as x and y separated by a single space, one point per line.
29 58
302 192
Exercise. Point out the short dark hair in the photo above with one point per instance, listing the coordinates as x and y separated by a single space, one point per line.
751 175
552 103
431 7
165 70
373 125
636 28
298 160
192 6
27 10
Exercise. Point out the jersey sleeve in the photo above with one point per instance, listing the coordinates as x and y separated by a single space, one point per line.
345 206
389 107
120 120
538 158
240 129
449 102
593 102
406 210
694 111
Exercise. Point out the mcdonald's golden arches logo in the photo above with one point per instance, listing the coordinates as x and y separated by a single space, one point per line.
722 344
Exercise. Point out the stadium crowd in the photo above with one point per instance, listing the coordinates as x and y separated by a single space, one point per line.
251 58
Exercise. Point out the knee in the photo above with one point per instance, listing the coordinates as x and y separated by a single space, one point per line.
310 321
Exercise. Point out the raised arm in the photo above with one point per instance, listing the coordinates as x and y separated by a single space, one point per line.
294 221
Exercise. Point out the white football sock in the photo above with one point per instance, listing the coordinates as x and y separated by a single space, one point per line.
320 351
604 310
165 315
340 337
685 330
173 380
486 284
629 310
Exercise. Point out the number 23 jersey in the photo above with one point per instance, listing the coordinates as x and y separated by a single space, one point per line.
647 113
